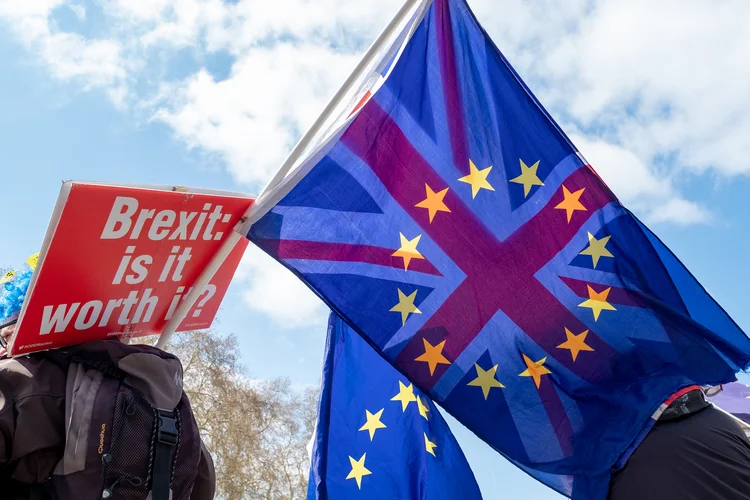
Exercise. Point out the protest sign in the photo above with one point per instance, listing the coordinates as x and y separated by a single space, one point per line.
117 260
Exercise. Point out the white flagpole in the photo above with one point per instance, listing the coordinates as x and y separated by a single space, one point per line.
234 236
342 92
205 276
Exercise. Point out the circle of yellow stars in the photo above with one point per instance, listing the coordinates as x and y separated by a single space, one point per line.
486 380
373 423
478 180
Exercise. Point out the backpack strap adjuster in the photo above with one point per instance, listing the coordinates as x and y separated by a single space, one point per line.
167 432
167 439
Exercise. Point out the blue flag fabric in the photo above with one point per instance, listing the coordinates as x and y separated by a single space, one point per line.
377 436
453 225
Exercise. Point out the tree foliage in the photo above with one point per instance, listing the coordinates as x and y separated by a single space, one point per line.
257 430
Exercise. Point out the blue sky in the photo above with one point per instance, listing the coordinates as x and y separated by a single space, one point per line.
169 92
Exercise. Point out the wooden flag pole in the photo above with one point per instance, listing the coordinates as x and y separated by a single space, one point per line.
234 236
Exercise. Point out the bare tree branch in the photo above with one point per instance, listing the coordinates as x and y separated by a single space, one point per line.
256 430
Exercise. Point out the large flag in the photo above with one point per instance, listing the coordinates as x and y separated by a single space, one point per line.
377 436
453 225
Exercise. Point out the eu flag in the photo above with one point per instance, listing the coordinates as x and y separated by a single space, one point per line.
453 225
377 436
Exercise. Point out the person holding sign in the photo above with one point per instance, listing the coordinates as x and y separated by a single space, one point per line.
102 418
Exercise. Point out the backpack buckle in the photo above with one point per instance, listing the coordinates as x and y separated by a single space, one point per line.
167 432
167 437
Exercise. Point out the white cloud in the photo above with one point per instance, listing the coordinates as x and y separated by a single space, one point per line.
29 20
71 56
94 63
79 11
639 187
678 210
273 290
664 77
138 11
237 26
253 117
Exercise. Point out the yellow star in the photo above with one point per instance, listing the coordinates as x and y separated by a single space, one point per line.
358 470
433 355
528 177
486 380
576 343
406 305
597 248
423 408
405 395
597 302
477 179
373 423
572 202
429 445
434 202
535 370
408 250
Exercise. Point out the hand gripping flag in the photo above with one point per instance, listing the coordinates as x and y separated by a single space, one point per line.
377 436
454 226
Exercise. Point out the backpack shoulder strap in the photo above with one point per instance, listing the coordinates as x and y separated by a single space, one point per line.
157 376
167 439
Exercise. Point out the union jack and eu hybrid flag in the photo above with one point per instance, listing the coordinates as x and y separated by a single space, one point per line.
455 227
377 436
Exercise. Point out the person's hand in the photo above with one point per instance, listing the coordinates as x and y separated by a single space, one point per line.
6 333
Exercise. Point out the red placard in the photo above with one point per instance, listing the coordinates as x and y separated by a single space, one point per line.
116 262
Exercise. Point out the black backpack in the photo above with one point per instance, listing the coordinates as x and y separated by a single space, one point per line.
129 432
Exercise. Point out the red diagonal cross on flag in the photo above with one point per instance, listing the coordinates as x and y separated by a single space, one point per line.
499 275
